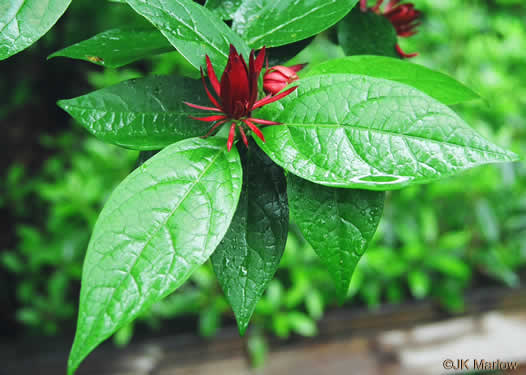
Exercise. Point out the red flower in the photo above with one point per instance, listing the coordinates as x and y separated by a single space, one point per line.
238 94
404 18
278 77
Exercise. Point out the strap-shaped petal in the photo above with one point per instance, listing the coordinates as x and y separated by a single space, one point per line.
255 129
209 118
231 136
208 93
212 76
271 99
202 107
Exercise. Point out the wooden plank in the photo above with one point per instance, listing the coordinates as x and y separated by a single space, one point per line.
348 337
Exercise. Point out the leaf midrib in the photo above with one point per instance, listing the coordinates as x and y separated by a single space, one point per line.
360 128
92 109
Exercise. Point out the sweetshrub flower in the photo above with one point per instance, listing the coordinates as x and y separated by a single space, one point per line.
278 77
404 18
237 96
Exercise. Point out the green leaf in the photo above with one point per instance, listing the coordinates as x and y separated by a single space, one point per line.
347 130
367 33
450 266
302 324
437 85
158 226
337 223
118 47
23 22
143 114
419 283
224 8
247 258
194 30
275 23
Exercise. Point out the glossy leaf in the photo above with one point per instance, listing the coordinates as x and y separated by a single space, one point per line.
143 114
23 22
118 47
437 85
191 28
247 258
158 226
337 223
276 23
347 130
223 8
367 33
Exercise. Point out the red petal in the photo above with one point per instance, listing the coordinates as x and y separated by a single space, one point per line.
298 67
209 118
273 99
264 122
273 87
231 136
275 75
239 83
261 100
260 60
212 76
243 136
201 107
212 99
253 79
255 129
403 54
363 5
287 72
234 84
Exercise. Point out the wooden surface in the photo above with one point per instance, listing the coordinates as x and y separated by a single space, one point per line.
408 339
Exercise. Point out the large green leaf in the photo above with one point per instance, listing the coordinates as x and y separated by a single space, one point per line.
437 85
194 30
337 223
224 8
347 130
274 23
118 47
143 114
367 33
158 226
247 258
23 22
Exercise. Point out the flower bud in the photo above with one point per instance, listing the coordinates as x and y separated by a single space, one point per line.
278 77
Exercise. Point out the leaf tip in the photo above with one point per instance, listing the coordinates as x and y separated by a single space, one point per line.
242 325
62 103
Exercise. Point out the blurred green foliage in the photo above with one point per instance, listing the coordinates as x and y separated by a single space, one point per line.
55 211
434 241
